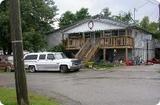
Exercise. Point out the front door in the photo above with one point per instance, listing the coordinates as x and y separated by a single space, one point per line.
93 38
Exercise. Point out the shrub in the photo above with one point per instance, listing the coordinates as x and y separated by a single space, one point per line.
89 64
58 48
103 64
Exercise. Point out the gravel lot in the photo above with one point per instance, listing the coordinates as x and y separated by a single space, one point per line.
135 85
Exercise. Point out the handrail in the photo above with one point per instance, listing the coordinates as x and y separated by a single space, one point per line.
84 47
92 50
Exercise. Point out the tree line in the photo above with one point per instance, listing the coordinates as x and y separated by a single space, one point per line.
38 16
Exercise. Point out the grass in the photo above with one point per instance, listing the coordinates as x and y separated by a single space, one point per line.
103 65
8 97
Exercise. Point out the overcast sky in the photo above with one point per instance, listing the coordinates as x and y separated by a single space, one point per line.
144 7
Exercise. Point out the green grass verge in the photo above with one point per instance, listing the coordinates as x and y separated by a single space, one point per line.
8 97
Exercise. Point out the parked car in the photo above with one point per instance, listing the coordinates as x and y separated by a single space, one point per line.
50 61
5 64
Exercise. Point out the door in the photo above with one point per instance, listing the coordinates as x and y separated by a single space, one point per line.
51 63
47 63
41 65
93 38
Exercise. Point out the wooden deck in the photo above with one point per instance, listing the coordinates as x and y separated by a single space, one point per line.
105 42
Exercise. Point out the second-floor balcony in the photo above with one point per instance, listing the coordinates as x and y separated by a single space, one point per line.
103 42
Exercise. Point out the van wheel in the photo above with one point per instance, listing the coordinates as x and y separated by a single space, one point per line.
32 69
63 69
77 70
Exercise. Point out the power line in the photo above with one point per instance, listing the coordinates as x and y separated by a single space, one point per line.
153 2
142 5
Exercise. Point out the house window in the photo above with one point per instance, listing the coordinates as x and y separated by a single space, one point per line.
87 35
108 33
75 36
122 32
115 32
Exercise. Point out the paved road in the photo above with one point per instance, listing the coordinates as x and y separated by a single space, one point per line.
139 85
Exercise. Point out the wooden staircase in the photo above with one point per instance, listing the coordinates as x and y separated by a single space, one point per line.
88 51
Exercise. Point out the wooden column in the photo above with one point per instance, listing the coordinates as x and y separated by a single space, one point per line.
126 50
103 33
104 54
83 38
126 32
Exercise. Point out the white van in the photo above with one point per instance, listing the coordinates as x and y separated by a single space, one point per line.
50 61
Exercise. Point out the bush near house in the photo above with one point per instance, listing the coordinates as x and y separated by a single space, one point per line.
58 48
99 65
103 64
89 64
8 97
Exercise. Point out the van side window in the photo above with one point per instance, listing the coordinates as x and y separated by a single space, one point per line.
42 57
31 57
50 56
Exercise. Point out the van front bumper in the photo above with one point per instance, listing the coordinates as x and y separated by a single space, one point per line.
75 67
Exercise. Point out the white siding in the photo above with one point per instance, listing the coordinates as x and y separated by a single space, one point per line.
140 47
97 26
54 39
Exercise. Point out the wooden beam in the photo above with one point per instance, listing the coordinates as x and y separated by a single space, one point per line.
104 54
126 52
126 32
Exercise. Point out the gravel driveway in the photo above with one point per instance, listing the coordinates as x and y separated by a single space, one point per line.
136 85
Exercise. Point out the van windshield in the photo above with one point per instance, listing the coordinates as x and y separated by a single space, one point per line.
60 56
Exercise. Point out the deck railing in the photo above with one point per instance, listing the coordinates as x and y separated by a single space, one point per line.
117 42
105 42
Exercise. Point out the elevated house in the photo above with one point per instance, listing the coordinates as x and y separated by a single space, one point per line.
104 39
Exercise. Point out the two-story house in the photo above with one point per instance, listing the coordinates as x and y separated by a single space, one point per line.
104 39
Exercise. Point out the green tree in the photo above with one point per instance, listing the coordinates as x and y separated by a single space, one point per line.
82 14
153 27
145 22
69 18
57 48
33 41
37 17
123 17
5 40
150 26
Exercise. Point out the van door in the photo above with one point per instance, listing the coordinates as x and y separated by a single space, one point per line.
41 65
51 63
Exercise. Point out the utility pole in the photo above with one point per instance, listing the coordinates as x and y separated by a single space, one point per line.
147 51
17 45
134 14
